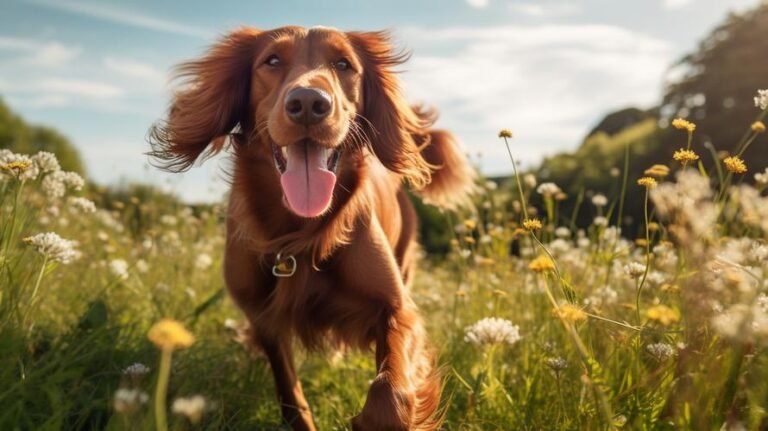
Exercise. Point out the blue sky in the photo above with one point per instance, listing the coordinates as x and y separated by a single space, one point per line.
547 69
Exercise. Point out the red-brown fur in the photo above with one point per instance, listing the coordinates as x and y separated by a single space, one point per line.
355 261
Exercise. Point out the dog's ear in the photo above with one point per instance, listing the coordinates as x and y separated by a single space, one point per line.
392 124
212 100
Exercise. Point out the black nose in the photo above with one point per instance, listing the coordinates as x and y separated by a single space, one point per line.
307 106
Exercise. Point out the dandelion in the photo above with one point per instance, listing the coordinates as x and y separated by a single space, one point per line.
685 156
758 127
505 133
735 164
599 200
680 124
634 269
82 205
663 314
54 247
119 268
647 182
126 400
660 351
492 331
470 224
548 189
170 334
191 407
541 264
570 313
761 100
532 224
658 171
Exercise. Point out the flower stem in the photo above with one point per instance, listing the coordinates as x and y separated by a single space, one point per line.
161 391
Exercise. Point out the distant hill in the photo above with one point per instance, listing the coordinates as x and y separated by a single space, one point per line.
22 137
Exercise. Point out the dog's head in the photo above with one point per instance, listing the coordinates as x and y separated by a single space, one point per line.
305 96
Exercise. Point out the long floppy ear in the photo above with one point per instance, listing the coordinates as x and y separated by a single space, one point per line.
393 124
213 99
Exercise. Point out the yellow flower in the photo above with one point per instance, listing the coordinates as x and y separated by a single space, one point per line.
735 165
685 156
470 224
663 314
469 239
758 127
653 226
646 182
541 264
532 224
170 334
660 171
570 313
505 133
679 123
18 165
641 242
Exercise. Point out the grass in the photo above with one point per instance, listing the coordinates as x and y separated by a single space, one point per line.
666 331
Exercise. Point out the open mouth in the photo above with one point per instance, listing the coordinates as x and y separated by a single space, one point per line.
308 176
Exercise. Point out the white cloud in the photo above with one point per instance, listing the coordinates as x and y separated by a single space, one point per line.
479 4
79 88
545 9
135 69
108 12
41 53
675 4
549 83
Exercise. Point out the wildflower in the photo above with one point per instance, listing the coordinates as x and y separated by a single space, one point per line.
529 180
541 264
659 171
82 205
762 177
470 224
679 123
685 156
505 133
615 172
465 253
18 166
56 183
491 185
570 313
46 162
563 232
532 224
599 200
761 100
600 221
492 331
660 351
663 314
203 262
548 189
54 247
136 369
126 400
647 182
758 127
735 164
119 268
191 407
634 269
556 363
169 334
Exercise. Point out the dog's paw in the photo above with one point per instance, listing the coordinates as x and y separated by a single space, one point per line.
386 409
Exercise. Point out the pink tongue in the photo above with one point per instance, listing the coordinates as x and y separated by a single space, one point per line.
307 184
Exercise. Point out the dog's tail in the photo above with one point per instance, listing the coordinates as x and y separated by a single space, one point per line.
453 178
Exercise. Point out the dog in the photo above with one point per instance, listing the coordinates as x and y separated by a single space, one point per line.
320 230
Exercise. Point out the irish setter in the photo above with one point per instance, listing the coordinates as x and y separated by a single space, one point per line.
320 231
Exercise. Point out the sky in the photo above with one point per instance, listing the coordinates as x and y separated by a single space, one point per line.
549 70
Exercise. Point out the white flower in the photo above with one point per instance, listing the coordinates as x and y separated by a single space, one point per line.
599 200
491 185
56 183
548 189
82 205
465 253
529 180
556 364
191 407
135 370
600 221
761 100
129 399
661 351
119 268
762 177
634 269
203 262
30 172
46 162
169 220
563 232
54 247
142 266
492 330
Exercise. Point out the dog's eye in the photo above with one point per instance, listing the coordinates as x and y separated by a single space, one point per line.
342 64
272 60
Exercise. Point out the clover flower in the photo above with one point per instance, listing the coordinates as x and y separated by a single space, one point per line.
492 331
54 247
